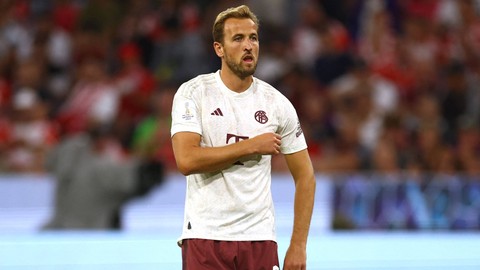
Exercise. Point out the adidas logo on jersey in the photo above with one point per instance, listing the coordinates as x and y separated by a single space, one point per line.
217 112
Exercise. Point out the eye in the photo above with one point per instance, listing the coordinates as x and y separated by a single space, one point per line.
237 38
254 38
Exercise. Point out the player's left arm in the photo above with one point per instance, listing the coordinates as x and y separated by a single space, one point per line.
300 166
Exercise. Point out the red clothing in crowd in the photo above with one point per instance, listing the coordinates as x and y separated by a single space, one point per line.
88 101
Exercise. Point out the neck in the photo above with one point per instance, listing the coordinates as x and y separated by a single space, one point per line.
234 82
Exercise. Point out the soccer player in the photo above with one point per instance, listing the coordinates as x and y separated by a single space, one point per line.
225 128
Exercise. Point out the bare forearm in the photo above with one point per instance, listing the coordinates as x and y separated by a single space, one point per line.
303 208
303 174
191 157
210 159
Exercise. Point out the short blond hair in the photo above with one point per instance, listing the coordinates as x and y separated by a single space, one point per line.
240 12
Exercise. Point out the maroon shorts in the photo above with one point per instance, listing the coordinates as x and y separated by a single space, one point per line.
201 254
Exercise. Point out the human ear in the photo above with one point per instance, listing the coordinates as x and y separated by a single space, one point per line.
217 46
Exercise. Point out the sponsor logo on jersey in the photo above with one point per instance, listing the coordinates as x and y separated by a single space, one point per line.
236 138
261 117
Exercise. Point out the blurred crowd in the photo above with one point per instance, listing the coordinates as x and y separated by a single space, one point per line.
379 85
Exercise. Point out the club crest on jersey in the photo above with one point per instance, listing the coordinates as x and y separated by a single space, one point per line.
188 115
261 117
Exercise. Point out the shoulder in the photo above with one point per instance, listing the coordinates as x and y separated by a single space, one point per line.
271 92
196 84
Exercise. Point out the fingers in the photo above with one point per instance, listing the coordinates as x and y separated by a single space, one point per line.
268 143
277 143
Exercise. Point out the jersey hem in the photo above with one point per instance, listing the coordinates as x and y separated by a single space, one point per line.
233 239
295 150
183 129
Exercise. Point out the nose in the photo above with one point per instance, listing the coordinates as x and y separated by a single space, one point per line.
248 45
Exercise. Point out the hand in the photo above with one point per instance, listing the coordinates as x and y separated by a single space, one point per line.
267 143
295 259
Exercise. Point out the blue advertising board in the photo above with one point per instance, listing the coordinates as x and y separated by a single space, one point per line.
402 202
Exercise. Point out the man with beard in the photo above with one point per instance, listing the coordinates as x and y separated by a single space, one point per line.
225 128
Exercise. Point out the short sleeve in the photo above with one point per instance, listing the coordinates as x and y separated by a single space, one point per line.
293 139
186 114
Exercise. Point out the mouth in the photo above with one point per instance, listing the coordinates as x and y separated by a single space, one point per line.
248 59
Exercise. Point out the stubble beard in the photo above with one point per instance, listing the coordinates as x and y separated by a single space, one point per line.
239 70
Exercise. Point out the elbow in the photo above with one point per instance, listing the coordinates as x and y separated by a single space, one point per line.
185 168
184 171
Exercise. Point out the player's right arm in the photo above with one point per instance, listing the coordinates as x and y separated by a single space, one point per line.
191 157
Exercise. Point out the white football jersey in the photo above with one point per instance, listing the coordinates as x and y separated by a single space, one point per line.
233 204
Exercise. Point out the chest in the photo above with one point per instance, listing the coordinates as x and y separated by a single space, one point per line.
227 119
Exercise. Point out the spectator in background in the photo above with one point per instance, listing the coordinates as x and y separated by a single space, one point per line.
365 96
31 73
15 40
345 153
419 50
455 97
5 134
53 49
65 14
89 40
32 134
104 16
5 125
469 28
93 96
385 159
135 84
396 137
432 151
140 26
319 43
425 110
29 130
380 46
152 135
5 89
468 146
333 60
180 50
95 178
306 40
